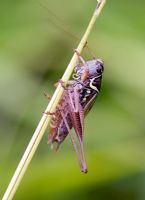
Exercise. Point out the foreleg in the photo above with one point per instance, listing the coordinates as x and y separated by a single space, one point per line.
86 72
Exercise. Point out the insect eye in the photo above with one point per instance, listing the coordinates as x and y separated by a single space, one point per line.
99 70
100 66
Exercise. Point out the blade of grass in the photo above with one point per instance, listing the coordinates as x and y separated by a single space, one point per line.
39 132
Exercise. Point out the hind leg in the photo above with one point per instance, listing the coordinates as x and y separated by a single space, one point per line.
73 141
78 123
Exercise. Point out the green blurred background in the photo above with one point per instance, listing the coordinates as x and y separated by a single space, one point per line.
34 52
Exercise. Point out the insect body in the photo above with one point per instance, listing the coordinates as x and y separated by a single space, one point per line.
77 100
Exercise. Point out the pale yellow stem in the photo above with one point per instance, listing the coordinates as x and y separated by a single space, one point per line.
36 138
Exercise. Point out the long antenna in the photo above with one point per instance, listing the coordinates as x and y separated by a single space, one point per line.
58 21
61 25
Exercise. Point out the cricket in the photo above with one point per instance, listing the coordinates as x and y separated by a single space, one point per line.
77 100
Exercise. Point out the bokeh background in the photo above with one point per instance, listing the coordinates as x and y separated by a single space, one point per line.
35 47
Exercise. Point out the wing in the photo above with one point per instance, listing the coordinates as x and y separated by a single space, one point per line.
90 103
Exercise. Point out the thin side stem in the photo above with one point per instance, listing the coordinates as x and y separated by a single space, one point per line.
39 132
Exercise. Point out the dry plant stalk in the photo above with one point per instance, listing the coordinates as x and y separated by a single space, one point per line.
39 132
